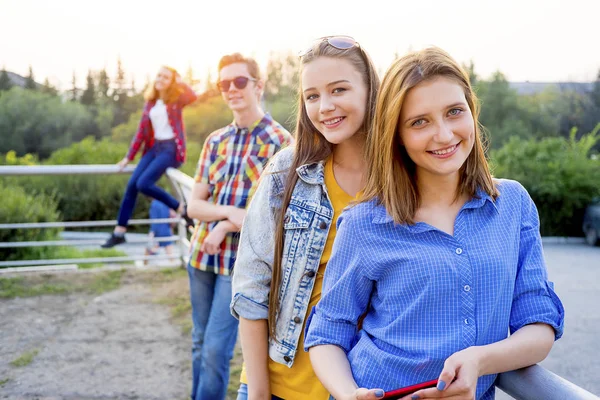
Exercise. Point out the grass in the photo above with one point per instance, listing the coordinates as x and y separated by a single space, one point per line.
48 284
4 382
25 359
19 287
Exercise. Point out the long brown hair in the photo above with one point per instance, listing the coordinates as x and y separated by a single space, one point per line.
173 91
391 176
312 147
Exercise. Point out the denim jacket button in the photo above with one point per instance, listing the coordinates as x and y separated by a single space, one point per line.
310 274
322 225
297 319
287 358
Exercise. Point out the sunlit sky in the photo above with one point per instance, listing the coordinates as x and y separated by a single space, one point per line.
550 40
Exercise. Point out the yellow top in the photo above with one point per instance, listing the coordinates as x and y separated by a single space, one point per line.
300 382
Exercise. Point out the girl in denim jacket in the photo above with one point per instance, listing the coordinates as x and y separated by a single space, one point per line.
288 232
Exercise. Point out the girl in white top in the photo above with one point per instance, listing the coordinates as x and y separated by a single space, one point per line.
161 132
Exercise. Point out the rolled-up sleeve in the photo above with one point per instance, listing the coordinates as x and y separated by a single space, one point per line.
534 298
253 266
346 291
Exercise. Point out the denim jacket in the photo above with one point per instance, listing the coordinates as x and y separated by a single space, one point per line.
306 224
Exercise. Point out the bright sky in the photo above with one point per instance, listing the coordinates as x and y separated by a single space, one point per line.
545 40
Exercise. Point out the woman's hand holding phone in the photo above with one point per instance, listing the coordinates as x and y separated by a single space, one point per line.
458 379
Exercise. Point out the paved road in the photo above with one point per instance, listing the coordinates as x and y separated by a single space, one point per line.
575 270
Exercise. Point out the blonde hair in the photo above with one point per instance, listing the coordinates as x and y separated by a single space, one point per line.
173 91
391 175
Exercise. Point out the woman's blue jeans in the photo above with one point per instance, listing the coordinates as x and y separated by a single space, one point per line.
148 171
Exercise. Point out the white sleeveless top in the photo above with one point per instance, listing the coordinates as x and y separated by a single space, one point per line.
160 122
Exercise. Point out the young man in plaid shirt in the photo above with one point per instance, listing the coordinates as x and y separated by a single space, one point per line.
231 162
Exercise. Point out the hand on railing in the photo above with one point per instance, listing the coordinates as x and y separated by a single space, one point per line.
123 163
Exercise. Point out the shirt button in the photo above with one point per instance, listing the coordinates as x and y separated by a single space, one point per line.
467 288
287 358
466 321
297 320
322 225
458 250
310 274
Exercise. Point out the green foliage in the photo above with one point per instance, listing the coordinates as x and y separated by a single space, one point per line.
18 206
96 283
90 197
39 123
559 174
18 287
30 80
123 133
202 118
5 82
25 359
88 97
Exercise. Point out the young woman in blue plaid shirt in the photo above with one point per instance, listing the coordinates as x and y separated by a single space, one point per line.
440 259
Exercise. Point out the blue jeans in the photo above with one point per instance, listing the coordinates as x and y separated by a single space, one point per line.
148 171
214 333
243 393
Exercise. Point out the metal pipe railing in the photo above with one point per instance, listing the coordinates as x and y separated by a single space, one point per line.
182 184
537 383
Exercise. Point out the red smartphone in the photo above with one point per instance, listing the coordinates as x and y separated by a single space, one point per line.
398 393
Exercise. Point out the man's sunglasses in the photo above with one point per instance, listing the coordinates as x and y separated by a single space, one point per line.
339 42
239 82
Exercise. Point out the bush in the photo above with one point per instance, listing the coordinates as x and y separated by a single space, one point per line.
559 174
35 122
18 206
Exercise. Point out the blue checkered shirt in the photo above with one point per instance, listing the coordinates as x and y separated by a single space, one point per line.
428 294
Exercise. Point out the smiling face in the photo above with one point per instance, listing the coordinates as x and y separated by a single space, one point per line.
243 99
163 79
335 97
436 127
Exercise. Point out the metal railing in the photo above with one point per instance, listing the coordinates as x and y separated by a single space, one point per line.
181 183
532 383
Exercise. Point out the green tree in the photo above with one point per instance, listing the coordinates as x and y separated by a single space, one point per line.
5 82
470 68
119 94
39 123
500 112
30 80
74 91
103 85
48 88
274 77
88 97
595 94
559 174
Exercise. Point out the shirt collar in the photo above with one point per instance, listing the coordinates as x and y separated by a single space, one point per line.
380 215
313 174
263 121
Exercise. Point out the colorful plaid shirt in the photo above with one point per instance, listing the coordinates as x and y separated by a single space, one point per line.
231 163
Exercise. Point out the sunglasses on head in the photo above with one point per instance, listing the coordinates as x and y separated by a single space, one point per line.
239 82
339 42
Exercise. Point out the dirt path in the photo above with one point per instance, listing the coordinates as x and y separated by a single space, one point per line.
131 342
